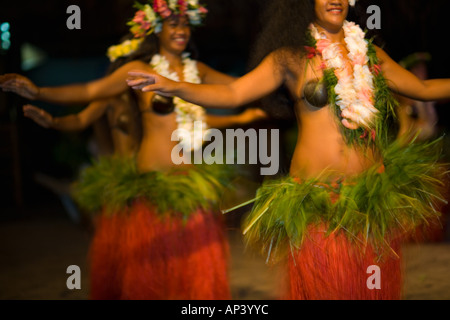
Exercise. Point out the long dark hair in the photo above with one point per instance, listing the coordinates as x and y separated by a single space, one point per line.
284 27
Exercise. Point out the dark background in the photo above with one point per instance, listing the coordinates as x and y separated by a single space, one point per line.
79 55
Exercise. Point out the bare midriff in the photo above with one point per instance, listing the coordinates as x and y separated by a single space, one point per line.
321 149
156 146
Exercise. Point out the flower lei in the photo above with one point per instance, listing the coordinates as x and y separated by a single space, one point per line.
355 87
186 113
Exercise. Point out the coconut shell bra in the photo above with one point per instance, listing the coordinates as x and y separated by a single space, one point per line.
315 93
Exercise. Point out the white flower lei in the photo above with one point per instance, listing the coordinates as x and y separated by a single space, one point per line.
354 91
187 113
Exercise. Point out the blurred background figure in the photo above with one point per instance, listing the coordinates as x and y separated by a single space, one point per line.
417 119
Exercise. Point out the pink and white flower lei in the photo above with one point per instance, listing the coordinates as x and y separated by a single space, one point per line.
354 90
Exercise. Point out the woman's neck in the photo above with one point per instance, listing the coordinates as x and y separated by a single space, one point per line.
335 34
174 59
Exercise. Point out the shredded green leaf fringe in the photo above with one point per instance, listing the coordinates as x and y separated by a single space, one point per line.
113 183
370 208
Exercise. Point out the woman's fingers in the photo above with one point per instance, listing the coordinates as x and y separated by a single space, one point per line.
134 82
350 124
31 113
29 107
37 115
11 81
139 77
18 84
140 74
8 84
138 80
138 84
148 82
156 88
5 78
149 88
143 84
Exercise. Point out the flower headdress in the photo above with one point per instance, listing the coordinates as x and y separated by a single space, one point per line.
149 19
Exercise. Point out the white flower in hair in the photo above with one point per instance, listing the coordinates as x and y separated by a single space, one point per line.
194 17
173 4
150 14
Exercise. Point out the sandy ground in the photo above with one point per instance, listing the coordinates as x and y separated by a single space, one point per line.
36 250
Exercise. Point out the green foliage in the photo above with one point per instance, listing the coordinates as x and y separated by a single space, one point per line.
113 183
375 205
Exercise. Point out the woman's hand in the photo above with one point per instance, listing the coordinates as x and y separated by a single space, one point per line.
12 82
154 82
254 114
41 117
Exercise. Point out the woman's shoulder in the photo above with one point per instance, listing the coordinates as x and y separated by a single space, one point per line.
137 64
381 55
288 58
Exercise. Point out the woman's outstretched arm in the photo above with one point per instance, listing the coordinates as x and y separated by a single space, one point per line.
407 84
264 79
73 122
106 87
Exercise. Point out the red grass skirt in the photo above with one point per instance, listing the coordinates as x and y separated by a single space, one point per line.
141 256
333 268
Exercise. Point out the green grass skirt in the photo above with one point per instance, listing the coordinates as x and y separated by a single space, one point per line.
113 183
381 203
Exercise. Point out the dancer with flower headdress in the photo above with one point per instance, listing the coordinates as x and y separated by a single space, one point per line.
354 191
157 235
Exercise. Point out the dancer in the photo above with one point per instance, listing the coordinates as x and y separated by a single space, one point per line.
353 190
124 131
157 236
125 126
